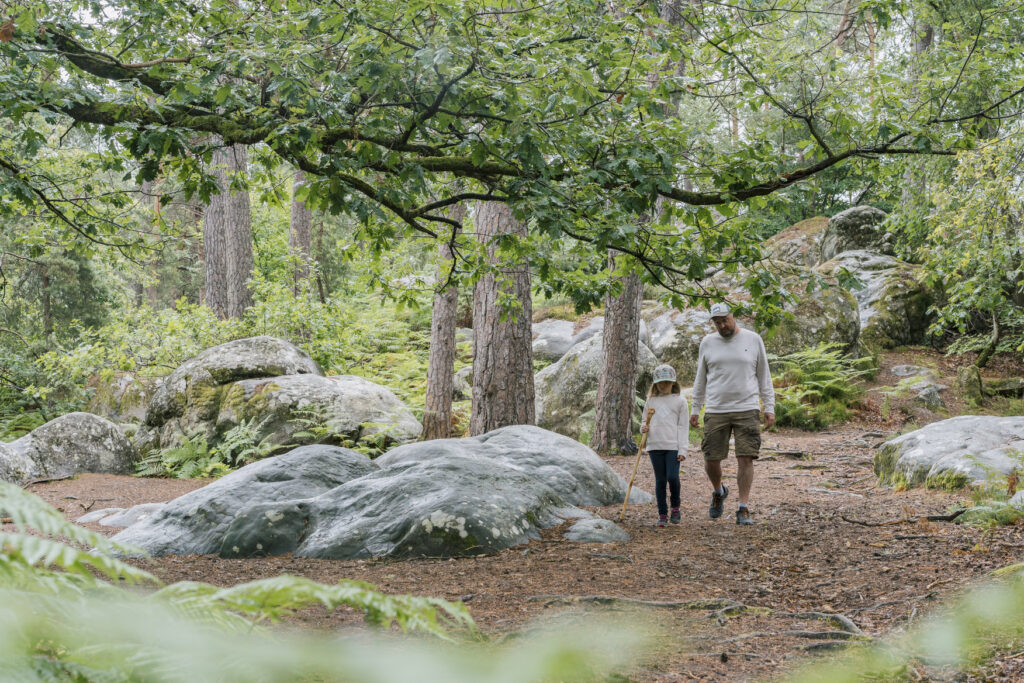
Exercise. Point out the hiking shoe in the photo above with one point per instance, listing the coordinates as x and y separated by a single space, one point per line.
715 511
675 516
743 517
662 521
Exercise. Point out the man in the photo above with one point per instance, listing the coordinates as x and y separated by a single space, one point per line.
732 375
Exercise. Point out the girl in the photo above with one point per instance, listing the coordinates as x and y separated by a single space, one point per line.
667 438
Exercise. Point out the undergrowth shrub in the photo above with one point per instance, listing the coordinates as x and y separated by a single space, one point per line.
818 387
71 610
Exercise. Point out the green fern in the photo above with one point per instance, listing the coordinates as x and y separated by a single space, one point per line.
817 387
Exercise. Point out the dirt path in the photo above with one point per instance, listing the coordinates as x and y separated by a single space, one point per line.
800 557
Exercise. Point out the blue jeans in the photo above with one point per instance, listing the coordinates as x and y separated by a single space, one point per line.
666 471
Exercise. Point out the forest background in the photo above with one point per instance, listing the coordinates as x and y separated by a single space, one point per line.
176 175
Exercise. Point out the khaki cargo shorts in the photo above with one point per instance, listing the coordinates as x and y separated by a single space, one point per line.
744 427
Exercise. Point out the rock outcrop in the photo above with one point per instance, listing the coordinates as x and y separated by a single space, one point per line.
952 453
443 498
892 299
566 391
65 446
800 243
859 227
229 385
825 314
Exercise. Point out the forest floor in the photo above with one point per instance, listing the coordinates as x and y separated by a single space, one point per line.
811 550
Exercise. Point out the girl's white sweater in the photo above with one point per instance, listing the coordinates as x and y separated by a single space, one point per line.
670 426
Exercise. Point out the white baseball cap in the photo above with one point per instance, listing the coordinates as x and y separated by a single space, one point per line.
664 373
719 309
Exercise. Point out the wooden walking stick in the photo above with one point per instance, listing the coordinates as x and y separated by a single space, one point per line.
640 451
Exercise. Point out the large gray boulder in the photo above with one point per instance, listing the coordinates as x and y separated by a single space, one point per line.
552 338
197 522
65 446
438 498
952 453
595 328
823 314
225 386
675 339
565 392
349 406
572 469
197 377
800 243
462 384
859 227
892 299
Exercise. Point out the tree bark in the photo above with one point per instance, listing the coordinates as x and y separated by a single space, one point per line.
616 386
300 236
986 353
227 238
502 356
47 308
437 412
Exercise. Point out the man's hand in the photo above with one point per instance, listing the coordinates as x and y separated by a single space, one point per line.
769 420
695 421
643 429
680 457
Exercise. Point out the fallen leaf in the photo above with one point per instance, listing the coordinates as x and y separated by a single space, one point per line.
7 31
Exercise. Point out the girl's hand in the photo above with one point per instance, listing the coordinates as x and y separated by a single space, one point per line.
643 429
680 457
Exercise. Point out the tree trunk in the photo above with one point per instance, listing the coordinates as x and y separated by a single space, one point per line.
616 386
502 355
227 238
437 412
986 353
300 237
44 277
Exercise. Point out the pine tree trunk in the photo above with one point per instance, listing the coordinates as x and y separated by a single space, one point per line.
502 355
300 237
437 413
616 386
227 239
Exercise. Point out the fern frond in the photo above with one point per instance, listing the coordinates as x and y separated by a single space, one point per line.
44 553
29 511
271 599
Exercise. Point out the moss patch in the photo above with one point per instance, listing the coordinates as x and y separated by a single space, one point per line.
948 480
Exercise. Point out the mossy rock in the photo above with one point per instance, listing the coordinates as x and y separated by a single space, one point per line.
825 314
953 453
893 301
122 398
859 227
947 480
800 242
236 360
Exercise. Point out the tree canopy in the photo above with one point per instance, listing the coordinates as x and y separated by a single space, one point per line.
580 113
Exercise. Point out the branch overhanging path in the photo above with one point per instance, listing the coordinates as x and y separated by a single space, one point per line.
441 113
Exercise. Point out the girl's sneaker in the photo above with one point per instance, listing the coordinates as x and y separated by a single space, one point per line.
662 521
675 516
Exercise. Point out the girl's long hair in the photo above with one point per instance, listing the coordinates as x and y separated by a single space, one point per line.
676 389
